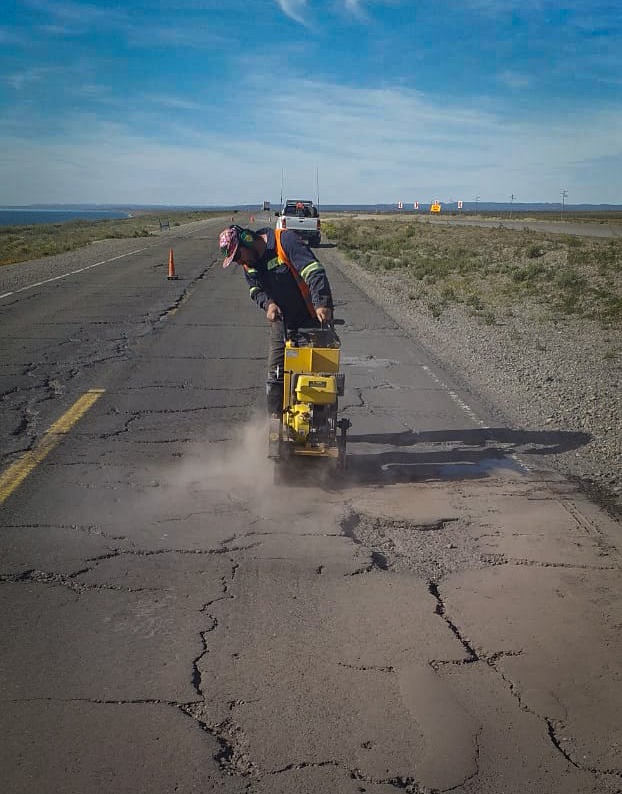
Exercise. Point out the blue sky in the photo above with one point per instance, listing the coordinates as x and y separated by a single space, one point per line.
205 102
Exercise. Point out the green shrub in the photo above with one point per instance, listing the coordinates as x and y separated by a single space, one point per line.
529 272
496 268
570 279
436 309
475 302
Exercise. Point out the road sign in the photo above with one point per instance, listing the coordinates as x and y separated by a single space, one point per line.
436 207
416 205
459 205
400 205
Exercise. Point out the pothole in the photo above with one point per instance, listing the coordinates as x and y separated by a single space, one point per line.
430 550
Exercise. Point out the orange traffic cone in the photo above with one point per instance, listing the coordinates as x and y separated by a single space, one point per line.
171 265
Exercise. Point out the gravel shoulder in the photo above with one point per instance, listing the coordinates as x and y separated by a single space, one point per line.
537 374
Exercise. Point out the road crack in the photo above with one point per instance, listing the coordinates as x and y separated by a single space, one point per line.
232 757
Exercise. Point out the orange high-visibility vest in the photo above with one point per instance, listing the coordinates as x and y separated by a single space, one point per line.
302 286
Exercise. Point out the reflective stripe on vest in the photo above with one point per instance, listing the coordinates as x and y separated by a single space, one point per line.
304 289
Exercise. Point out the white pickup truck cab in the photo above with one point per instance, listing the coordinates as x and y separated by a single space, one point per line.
302 217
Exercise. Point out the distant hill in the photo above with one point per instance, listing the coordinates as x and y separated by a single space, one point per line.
448 206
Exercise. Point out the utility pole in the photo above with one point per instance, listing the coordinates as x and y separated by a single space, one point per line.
476 203
317 187
512 197
564 193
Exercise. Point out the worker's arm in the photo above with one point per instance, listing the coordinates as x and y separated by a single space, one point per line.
311 271
258 293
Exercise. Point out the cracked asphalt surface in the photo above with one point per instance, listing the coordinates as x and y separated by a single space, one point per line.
446 617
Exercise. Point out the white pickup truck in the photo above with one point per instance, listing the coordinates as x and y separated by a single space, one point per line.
302 217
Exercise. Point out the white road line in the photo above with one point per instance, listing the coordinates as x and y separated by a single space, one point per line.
470 412
456 398
72 272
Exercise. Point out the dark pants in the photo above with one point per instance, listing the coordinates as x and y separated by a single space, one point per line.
276 357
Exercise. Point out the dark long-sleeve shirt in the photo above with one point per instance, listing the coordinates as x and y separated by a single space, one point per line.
271 280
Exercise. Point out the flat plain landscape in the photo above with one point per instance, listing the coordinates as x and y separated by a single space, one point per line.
531 319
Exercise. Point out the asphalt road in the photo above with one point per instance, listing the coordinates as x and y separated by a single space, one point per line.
446 617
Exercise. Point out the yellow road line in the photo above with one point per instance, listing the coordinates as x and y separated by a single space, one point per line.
18 471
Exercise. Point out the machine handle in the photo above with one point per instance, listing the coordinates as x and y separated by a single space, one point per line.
322 327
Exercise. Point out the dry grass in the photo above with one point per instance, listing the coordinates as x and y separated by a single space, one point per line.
21 243
492 271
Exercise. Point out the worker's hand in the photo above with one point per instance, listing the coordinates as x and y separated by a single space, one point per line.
273 312
324 314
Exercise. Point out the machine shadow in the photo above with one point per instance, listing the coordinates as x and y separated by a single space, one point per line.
473 453
463 454
528 442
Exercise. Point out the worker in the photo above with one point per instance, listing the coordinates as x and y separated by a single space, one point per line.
287 282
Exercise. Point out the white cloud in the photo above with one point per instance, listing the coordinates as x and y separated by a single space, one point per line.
514 80
70 12
368 145
355 9
503 7
11 37
25 78
354 6
196 37
176 103
295 9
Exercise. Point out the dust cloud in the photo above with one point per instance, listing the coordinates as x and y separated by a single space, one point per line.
237 467
215 478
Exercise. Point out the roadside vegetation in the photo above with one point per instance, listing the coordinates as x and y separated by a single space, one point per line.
21 243
491 271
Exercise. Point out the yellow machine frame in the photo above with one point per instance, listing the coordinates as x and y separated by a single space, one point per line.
311 386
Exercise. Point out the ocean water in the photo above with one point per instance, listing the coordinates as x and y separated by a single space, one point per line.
22 216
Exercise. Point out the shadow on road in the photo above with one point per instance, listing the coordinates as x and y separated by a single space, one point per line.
463 454
528 442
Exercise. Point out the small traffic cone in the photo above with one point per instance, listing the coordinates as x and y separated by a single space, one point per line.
171 265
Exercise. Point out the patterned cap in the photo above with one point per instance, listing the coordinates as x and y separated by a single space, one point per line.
229 241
